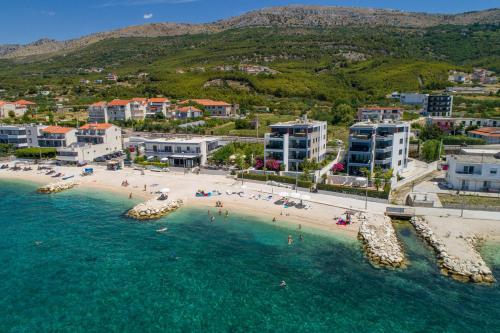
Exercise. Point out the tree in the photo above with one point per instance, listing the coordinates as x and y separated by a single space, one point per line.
430 150
12 114
366 172
431 132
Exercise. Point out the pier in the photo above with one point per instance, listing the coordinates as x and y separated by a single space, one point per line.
153 209
57 187
457 256
380 241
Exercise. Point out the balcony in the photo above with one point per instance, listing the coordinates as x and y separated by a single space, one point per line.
388 137
461 172
360 138
384 161
387 149
274 146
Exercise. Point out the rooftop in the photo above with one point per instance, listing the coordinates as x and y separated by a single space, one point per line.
57 130
381 124
97 126
487 131
158 100
206 102
195 140
477 159
118 102
299 122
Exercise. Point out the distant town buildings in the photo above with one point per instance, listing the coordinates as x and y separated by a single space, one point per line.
16 109
474 169
439 106
215 108
181 152
377 113
256 69
447 124
112 77
290 143
384 144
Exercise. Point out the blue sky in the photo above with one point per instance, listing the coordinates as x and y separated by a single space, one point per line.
23 21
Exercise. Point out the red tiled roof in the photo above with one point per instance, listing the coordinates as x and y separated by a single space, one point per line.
158 100
98 104
24 102
206 102
487 131
118 102
138 99
186 109
57 129
97 126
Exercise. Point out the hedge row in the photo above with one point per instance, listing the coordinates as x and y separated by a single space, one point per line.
280 179
462 139
35 153
353 190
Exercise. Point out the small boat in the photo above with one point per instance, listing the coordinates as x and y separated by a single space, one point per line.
162 230
68 177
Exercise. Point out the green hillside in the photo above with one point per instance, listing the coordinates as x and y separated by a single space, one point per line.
350 65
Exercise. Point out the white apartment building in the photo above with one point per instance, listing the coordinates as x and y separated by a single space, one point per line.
93 141
474 170
181 152
385 145
20 136
380 113
215 108
56 137
119 110
290 143
138 108
98 112
157 106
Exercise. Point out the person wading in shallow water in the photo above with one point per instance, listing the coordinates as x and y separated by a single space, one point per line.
290 240
130 195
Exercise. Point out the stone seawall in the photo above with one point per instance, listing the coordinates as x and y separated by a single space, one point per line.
380 242
153 209
57 187
469 267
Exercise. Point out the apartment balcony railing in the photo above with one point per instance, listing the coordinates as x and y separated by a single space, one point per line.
274 147
384 161
477 173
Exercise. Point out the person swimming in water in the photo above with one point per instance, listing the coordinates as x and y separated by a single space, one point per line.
212 219
283 284
290 240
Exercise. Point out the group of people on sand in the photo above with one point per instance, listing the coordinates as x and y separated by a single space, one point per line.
218 204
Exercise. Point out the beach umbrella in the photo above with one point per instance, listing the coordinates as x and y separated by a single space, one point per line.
164 159
164 190
295 195
284 194
306 197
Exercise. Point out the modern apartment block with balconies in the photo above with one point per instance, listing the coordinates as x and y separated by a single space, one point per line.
292 142
439 106
384 144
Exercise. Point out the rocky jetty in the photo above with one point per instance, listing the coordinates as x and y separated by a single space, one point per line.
468 268
57 187
380 242
153 209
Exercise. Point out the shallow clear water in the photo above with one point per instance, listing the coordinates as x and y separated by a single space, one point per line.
93 270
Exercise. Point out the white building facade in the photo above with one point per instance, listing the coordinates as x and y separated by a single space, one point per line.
180 152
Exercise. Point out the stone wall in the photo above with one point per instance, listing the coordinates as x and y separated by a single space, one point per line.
57 187
153 209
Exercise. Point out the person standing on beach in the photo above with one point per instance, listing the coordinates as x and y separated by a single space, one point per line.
144 187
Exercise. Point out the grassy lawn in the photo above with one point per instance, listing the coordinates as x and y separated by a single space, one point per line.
469 200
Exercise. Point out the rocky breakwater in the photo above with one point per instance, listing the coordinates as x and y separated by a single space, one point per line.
153 209
57 187
466 265
380 242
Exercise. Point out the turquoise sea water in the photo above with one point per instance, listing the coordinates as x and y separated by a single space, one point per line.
71 262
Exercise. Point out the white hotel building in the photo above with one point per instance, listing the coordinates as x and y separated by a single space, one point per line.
180 152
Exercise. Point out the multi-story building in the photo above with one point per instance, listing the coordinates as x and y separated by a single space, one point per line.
93 141
379 113
187 112
489 134
290 143
215 108
385 145
474 170
447 124
157 106
56 136
119 110
413 98
17 108
20 136
98 112
138 108
181 152
6 109
439 106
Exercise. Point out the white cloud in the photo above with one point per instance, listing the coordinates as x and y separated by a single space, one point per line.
148 16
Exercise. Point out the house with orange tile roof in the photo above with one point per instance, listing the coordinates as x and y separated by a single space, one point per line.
18 108
56 137
119 110
138 108
187 112
94 141
489 134
215 108
158 106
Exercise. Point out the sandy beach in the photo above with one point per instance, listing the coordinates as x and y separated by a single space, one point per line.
184 187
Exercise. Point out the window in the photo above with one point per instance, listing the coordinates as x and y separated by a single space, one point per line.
168 149
155 148
188 148
401 152
401 141
493 171
399 162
